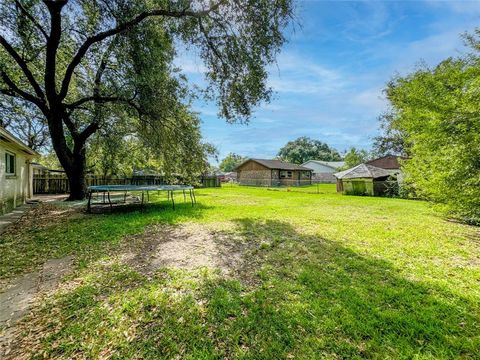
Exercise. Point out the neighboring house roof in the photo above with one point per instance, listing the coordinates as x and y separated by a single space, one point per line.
387 162
145 172
8 137
38 166
331 164
276 165
362 171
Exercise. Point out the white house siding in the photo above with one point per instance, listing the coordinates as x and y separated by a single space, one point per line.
14 190
318 168
321 173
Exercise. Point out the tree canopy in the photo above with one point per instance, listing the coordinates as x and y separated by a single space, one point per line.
436 111
97 66
304 148
392 139
231 161
355 157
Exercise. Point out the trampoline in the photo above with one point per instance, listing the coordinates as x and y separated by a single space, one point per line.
144 189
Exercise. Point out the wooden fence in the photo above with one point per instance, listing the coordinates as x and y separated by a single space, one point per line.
59 184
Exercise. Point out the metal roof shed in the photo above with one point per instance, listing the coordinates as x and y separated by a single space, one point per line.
363 179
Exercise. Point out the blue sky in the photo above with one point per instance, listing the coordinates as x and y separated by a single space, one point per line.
329 78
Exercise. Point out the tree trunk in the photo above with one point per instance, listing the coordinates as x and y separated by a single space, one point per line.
73 162
76 177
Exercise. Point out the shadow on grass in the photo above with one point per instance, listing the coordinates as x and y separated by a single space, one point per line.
41 237
314 298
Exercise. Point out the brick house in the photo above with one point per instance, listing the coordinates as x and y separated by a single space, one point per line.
261 172
391 163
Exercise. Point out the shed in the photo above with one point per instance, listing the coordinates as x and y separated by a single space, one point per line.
262 172
363 179
16 175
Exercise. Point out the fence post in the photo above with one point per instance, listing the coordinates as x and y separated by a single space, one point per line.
46 182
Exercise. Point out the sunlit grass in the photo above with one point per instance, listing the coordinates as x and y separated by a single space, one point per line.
327 276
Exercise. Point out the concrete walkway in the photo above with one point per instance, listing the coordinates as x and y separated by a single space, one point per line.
13 216
21 295
18 212
48 198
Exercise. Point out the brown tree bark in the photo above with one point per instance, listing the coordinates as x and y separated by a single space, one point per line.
76 177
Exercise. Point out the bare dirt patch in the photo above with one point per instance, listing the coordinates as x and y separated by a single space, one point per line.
189 246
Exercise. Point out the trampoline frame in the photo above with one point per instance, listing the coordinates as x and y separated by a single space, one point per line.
170 189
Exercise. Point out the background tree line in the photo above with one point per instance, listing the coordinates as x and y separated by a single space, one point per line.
302 149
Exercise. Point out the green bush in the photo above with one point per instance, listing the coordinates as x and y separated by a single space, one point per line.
437 110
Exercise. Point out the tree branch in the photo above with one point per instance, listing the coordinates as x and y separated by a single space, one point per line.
97 99
23 66
31 18
55 9
87 132
123 27
13 88
70 126
8 92
211 46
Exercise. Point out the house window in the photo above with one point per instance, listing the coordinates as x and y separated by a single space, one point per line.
286 174
9 163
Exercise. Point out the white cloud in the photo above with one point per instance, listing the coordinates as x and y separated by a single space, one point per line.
372 99
189 62
297 74
329 85
364 29
432 49
457 6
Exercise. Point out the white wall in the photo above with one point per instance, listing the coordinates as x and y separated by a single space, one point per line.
14 190
319 168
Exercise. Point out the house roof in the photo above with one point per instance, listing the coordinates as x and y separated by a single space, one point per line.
362 171
387 162
9 138
39 166
331 164
276 165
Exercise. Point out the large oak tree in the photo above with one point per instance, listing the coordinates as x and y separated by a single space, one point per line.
304 148
85 65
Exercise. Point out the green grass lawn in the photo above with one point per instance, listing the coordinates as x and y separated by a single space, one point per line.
316 275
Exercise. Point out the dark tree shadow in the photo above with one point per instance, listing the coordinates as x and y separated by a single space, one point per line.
306 297
316 296
42 235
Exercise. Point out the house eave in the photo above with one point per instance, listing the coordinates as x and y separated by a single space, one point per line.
13 141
